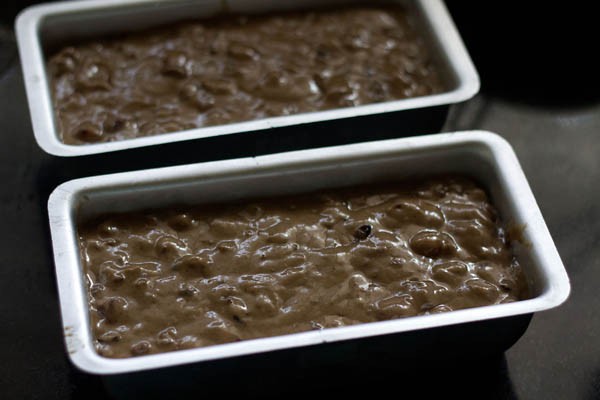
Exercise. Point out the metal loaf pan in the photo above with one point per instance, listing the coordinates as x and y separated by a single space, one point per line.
481 155
50 25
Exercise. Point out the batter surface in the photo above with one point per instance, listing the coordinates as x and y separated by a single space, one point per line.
237 68
170 279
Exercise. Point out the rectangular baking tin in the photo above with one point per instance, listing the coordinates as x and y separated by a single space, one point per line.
484 156
48 25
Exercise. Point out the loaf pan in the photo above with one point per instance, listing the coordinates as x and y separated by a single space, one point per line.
50 25
483 156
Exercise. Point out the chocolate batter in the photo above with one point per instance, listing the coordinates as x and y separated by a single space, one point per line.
237 68
173 279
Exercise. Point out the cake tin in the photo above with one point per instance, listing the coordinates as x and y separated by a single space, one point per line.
44 28
483 156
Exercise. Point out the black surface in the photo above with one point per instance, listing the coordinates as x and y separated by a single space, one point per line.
539 91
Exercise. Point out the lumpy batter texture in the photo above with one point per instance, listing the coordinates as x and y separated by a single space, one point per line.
237 68
171 279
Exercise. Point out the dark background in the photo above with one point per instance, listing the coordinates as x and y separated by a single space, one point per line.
540 90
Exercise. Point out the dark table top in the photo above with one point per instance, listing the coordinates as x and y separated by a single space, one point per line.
548 110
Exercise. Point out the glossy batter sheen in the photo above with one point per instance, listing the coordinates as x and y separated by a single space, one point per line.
237 68
171 279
